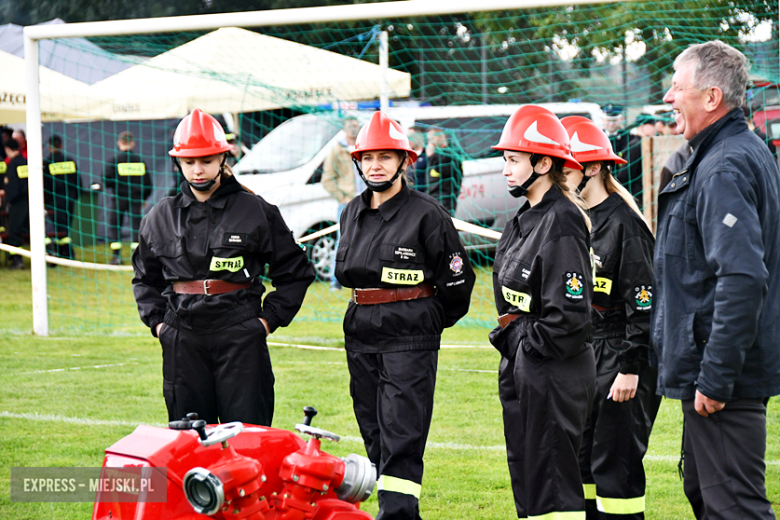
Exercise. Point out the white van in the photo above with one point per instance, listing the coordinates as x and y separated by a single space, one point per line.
285 167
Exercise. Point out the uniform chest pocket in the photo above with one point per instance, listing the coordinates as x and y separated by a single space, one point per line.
233 240
170 249
399 253
341 253
516 275
680 232
604 262
519 270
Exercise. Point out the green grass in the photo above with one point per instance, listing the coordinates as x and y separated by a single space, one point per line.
466 475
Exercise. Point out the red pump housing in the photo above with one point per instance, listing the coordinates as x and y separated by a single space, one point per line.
262 474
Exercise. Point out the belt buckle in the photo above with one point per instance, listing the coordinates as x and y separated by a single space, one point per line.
206 287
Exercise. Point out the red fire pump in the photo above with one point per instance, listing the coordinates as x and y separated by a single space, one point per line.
263 474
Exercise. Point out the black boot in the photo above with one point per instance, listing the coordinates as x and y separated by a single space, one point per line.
17 263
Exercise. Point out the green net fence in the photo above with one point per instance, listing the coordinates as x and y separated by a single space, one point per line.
285 92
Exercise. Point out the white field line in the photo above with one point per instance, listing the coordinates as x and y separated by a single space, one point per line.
341 349
343 364
452 446
73 368
71 420
292 345
305 347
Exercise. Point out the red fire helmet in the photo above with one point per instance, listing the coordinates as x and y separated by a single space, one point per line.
199 135
535 129
588 142
382 133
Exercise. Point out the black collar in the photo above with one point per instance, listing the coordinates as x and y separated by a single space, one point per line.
728 125
705 136
600 213
227 185
528 216
388 208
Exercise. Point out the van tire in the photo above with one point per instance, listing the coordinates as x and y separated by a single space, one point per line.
321 251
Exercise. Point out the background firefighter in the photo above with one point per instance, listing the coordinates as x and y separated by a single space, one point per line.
61 188
126 176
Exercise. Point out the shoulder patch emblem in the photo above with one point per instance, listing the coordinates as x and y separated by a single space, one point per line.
643 297
456 264
573 284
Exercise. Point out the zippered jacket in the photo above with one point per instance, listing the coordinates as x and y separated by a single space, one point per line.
407 241
716 314
543 271
234 236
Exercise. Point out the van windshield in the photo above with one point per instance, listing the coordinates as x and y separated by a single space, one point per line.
290 145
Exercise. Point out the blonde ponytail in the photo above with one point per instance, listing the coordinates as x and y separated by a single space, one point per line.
559 179
613 186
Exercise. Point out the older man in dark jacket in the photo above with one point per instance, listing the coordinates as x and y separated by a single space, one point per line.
716 315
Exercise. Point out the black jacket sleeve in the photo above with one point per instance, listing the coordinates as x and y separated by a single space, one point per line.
148 282
635 280
736 255
564 318
290 273
453 275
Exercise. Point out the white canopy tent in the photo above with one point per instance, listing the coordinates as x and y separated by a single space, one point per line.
61 97
235 70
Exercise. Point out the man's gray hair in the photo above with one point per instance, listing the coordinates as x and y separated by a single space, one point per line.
718 65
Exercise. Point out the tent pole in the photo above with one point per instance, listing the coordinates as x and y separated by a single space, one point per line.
384 98
35 183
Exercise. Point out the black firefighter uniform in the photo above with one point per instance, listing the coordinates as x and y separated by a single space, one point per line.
61 188
547 377
617 435
215 357
392 348
127 176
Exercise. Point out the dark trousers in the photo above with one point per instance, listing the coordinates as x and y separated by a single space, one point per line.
224 376
18 221
392 395
62 213
122 206
724 461
616 439
546 405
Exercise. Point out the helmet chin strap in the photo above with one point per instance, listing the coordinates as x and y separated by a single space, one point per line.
203 186
384 185
522 190
607 166
583 182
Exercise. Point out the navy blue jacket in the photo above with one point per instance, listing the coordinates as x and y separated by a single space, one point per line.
716 316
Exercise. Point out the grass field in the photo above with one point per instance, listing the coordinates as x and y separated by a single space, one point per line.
67 397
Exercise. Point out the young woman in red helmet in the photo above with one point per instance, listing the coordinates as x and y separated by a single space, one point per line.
542 281
197 283
626 405
410 278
